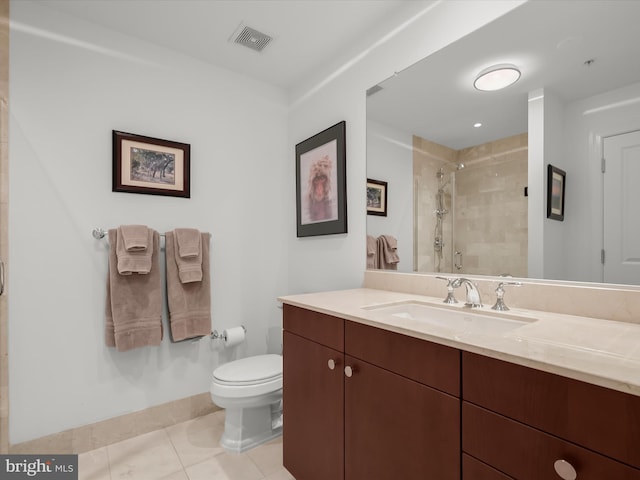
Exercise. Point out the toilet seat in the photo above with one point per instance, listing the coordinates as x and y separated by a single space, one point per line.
248 377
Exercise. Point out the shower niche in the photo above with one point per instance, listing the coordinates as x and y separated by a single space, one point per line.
470 207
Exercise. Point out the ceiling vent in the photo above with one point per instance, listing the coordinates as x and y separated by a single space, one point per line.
250 38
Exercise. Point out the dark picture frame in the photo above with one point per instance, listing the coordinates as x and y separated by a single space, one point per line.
321 183
376 197
150 166
556 184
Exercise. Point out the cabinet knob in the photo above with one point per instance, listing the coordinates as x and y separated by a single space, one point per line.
348 371
565 470
332 364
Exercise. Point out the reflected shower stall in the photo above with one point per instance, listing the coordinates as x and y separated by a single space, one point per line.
470 209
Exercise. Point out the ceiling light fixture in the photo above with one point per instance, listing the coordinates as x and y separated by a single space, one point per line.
497 77
477 125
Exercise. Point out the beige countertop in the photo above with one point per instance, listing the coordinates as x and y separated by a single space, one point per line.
601 352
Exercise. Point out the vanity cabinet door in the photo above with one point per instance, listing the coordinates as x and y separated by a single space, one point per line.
398 428
525 453
313 399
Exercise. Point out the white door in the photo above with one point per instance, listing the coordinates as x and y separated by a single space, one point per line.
622 209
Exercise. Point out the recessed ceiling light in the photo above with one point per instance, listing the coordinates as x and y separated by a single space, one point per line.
477 125
496 77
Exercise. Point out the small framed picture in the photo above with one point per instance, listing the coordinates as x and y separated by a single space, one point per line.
376 197
321 193
556 183
150 165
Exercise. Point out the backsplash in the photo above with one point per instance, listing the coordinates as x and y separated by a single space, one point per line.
608 302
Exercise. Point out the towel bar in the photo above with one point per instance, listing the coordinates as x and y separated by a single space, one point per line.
99 233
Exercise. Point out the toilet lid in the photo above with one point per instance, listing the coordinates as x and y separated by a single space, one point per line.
251 369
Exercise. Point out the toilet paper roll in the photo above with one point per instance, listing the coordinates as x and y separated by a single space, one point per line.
233 336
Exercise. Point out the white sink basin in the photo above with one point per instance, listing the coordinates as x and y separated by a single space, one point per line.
457 319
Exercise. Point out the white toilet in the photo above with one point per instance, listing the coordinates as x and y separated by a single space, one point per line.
250 390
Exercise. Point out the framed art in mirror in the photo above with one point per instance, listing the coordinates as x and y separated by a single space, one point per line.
150 165
556 180
321 193
376 197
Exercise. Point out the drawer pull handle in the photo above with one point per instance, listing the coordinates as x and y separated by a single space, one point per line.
331 363
565 470
348 371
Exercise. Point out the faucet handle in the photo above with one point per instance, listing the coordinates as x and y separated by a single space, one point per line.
500 305
451 284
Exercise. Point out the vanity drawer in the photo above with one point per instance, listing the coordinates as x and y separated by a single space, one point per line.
603 420
525 453
437 366
325 329
473 469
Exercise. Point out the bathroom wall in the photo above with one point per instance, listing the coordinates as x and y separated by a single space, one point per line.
337 92
586 122
389 160
72 83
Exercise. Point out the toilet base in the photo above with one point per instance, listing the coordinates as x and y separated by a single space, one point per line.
248 427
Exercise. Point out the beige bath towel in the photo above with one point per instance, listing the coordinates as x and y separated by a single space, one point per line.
189 303
136 237
387 252
188 254
372 253
134 302
133 261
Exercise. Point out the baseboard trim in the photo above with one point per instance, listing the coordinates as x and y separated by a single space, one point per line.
96 435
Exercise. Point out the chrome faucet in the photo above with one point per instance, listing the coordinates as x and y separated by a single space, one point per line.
500 305
473 295
451 284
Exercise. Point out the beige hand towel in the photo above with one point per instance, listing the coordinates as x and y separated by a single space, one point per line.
134 303
136 237
135 261
387 252
372 250
188 254
189 303
188 240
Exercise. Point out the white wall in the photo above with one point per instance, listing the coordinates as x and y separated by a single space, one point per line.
337 93
390 159
72 83
587 122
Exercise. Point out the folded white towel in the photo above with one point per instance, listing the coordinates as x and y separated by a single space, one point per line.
136 237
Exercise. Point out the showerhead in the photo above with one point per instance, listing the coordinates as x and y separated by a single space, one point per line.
460 166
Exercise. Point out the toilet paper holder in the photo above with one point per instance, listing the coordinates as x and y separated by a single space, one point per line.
215 335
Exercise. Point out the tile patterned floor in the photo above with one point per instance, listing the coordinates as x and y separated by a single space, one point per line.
186 451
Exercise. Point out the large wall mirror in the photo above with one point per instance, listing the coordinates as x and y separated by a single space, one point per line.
466 170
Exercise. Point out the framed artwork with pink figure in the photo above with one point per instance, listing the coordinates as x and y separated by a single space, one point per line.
321 196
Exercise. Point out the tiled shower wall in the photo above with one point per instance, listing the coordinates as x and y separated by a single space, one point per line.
487 219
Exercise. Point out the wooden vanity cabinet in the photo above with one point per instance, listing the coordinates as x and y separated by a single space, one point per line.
313 395
521 421
393 412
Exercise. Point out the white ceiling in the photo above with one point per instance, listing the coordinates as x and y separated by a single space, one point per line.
306 33
548 40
